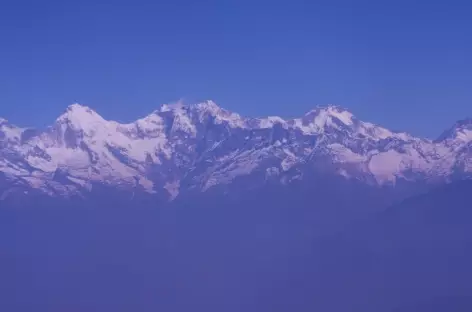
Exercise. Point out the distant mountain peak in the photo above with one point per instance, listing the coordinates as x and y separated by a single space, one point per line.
80 116
464 123
186 114
9 132
208 105
323 115
461 130
5 124
79 108
171 107
331 107
323 118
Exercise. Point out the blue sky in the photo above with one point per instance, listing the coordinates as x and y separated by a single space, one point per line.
404 64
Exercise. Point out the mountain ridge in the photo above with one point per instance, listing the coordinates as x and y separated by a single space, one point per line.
182 148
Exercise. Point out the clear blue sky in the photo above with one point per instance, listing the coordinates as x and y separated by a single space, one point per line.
403 64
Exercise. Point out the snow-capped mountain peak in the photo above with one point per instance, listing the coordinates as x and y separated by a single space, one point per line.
186 115
335 119
79 115
171 107
209 106
325 114
180 107
79 122
8 132
461 132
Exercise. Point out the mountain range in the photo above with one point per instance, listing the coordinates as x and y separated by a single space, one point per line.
319 213
188 150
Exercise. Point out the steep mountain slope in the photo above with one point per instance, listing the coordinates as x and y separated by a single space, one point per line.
188 149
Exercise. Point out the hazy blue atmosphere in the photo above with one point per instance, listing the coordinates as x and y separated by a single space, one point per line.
403 64
196 209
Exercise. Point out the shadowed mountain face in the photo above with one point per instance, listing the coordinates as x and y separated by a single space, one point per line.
278 250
